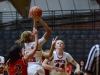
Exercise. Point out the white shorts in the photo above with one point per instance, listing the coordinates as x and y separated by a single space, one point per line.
35 69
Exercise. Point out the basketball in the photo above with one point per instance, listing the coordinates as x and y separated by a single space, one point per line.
35 10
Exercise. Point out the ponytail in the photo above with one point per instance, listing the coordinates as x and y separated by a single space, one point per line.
24 38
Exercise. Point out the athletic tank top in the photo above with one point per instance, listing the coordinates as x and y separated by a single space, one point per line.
36 59
60 61
18 67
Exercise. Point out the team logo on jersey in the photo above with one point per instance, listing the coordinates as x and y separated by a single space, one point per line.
59 61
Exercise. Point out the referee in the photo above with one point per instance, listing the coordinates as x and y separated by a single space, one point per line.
92 66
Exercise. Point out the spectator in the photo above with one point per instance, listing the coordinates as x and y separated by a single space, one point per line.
82 67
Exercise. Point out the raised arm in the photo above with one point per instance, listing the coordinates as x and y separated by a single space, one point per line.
35 24
32 52
35 19
51 49
48 30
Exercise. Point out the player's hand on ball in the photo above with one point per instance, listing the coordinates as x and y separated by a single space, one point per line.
35 17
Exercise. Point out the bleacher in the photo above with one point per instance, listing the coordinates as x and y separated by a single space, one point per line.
54 18
77 42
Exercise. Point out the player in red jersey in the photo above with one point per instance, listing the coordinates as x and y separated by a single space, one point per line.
16 64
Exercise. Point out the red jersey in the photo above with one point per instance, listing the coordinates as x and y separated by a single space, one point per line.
19 67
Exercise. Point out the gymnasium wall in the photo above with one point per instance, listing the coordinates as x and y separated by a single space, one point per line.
77 42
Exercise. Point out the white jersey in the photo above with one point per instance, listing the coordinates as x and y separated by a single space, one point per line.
59 61
1 65
36 59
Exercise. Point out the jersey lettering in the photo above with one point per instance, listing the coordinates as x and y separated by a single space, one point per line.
60 63
19 69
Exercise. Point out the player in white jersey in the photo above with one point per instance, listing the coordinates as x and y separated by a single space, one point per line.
1 65
59 59
27 38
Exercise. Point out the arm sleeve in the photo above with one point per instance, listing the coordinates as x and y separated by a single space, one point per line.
41 41
69 57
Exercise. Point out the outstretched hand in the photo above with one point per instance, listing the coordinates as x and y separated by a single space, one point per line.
54 40
35 17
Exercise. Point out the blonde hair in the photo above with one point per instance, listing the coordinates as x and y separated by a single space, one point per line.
24 38
47 51
61 40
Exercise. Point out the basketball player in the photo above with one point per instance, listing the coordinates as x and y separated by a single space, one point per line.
59 59
16 64
27 38
92 66
1 65
47 51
